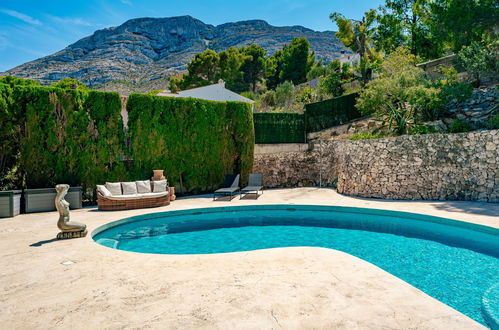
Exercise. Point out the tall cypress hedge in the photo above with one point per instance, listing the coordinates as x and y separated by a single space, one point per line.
279 128
329 113
195 141
69 136
9 140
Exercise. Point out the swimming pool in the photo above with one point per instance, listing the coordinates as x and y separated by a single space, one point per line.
453 261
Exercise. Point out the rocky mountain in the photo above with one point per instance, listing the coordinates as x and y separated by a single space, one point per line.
141 53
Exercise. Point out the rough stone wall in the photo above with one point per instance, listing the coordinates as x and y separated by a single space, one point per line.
461 166
288 169
437 167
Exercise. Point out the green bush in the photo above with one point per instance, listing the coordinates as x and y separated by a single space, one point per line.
195 141
9 140
62 136
329 113
279 128
420 130
459 126
51 135
493 122
401 96
365 135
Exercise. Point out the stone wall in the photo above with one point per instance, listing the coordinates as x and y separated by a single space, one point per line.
461 166
437 167
288 169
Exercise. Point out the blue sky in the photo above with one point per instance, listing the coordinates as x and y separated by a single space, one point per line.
30 29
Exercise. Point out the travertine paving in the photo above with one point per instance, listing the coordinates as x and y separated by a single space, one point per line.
288 288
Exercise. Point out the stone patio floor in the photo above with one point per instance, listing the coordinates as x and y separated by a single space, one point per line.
288 288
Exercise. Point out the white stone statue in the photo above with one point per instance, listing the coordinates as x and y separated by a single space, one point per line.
68 228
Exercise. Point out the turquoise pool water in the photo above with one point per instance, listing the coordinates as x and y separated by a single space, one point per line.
452 261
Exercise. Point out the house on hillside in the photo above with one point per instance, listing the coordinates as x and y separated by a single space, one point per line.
215 92
349 58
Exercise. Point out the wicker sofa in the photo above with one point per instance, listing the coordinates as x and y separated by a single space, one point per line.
115 196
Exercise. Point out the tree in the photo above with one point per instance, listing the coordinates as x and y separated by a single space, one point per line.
70 83
457 23
401 96
253 67
230 62
358 36
296 61
204 69
317 70
330 85
273 67
405 23
480 58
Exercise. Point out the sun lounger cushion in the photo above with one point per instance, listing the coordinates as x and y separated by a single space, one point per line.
143 186
159 186
114 188
103 190
129 188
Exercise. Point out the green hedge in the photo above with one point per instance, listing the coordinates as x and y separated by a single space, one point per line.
195 141
329 113
57 135
9 141
279 128
51 135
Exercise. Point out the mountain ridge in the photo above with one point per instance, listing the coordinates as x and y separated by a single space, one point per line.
143 52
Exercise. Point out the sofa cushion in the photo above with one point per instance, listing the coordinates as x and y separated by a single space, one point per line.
129 188
125 197
143 186
114 188
138 196
154 194
103 190
159 186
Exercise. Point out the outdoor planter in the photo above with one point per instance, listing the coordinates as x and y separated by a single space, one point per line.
43 200
10 203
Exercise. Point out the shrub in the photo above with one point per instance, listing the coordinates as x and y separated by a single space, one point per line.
249 94
195 141
480 58
69 136
331 84
365 135
493 122
268 98
401 96
420 130
306 95
285 94
459 126
154 92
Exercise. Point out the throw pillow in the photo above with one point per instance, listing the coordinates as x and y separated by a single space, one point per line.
103 190
129 188
114 188
159 186
143 186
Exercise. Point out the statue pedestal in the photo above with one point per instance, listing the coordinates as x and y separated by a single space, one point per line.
71 234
